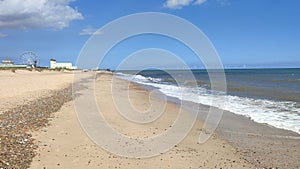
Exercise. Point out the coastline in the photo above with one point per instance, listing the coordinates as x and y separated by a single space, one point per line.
56 150
260 144
238 143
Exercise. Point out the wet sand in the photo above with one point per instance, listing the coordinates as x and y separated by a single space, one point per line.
65 145
260 144
58 141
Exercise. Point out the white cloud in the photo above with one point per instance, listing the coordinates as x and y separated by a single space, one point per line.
90 31
178 4
199 2
24 14
2 35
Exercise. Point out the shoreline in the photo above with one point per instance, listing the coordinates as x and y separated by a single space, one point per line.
255 141
56 150
239 142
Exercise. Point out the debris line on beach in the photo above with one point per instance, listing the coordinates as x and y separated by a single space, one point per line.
17 147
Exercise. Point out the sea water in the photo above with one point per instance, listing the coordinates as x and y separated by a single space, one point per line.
269 96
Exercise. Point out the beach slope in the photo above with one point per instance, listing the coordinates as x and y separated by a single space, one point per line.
64 144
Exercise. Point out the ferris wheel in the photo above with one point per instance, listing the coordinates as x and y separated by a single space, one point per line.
29 58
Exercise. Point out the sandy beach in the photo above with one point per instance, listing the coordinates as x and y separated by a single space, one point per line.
24 85
57 140
28 99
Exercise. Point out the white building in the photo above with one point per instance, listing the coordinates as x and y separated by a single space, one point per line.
8 63
55 65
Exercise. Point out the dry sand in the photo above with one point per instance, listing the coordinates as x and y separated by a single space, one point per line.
28 100
65 145
25 86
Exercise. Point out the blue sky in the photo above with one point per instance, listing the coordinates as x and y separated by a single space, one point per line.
254 33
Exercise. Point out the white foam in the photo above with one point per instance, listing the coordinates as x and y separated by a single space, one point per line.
137 78
281 114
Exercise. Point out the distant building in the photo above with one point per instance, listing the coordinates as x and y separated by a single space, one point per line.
8 63
55 65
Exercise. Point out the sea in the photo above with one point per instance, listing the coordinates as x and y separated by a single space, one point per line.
269 96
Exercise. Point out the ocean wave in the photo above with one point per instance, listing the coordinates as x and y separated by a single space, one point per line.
138 78
281 114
